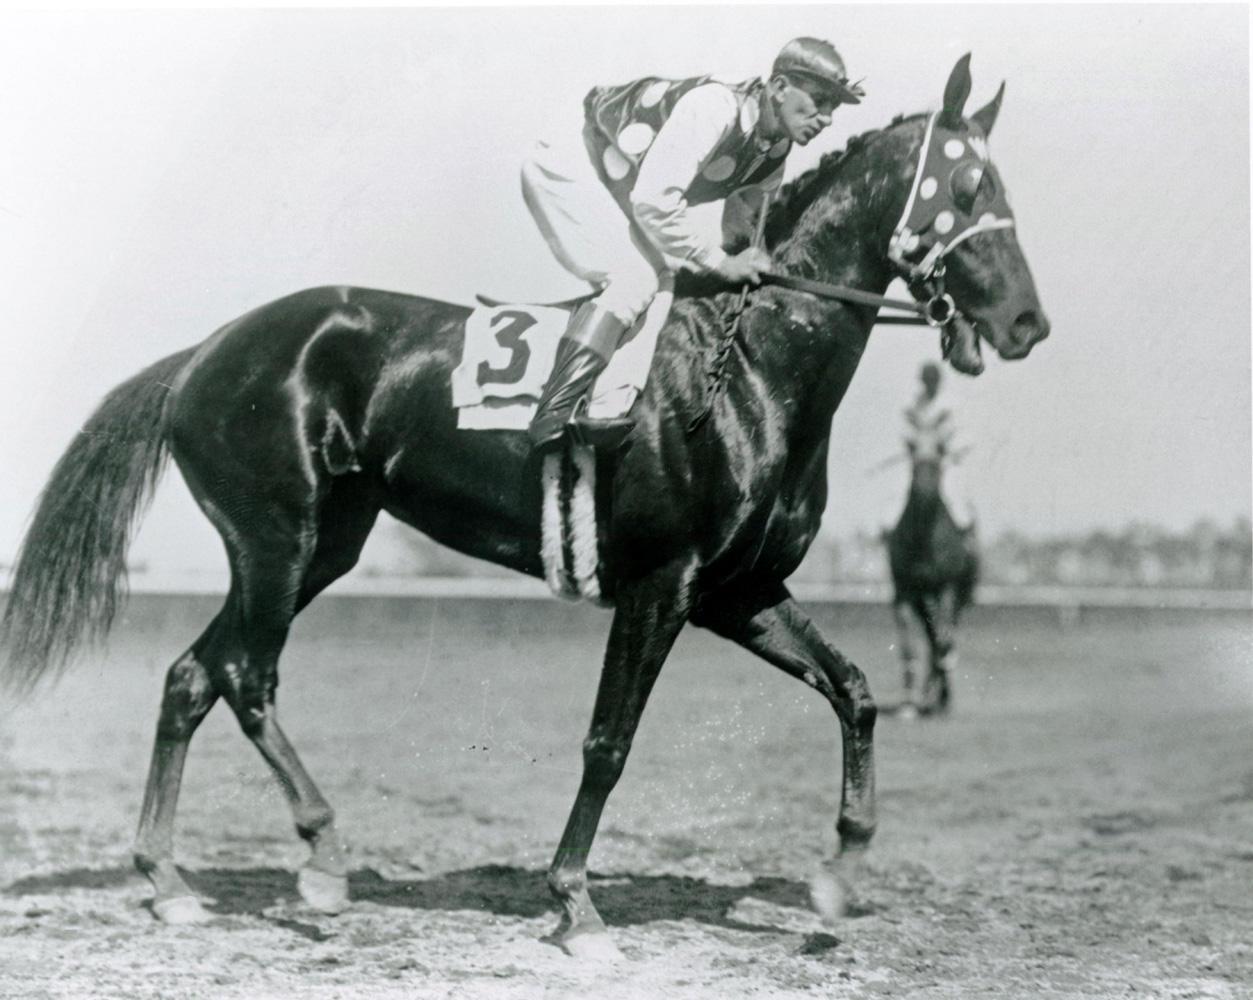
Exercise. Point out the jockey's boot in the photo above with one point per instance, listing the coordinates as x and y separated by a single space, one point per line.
959 344
583 353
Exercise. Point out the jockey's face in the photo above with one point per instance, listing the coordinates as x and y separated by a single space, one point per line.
803 110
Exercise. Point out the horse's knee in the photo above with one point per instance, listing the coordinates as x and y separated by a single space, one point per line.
603 760
856 704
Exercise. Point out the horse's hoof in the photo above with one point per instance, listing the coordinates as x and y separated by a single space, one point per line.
323 891
594 946
908 711
829 897
180 910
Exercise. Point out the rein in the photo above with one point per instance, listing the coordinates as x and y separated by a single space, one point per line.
931 209
936 311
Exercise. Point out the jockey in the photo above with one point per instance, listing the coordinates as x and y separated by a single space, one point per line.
928 426
614 212
930 434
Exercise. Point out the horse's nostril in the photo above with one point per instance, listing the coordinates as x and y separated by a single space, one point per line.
1029 328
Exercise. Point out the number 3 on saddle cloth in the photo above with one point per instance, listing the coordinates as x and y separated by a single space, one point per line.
508 356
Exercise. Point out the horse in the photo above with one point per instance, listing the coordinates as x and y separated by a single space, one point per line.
294 425
935 566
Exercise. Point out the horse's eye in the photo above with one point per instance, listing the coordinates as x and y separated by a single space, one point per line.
963 185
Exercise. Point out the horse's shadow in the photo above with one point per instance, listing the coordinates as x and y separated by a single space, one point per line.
498 889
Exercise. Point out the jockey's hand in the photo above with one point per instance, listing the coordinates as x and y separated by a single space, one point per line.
746 266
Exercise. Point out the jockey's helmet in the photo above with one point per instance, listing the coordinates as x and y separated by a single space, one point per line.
815 62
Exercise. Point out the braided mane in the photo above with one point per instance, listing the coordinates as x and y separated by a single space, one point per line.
798 194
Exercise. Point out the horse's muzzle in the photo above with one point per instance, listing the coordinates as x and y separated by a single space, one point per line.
1028 329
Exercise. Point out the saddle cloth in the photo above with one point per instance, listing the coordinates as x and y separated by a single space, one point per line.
508 357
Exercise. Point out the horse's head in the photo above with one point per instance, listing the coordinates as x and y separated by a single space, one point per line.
956 233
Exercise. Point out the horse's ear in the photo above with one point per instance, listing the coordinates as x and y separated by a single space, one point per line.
985 117
955 93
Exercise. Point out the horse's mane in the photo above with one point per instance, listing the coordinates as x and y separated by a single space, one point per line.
799 193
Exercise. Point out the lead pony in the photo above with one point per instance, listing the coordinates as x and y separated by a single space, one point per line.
297 423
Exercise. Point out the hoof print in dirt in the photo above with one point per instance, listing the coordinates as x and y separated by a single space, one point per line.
818 944
592 948
759 914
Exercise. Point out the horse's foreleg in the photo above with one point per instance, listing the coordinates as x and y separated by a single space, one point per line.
941 624
769 623
905 643
186 701
649 615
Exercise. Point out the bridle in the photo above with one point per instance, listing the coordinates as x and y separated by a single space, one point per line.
928 227
918 244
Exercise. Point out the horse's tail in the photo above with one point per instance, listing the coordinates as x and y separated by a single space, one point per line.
70 576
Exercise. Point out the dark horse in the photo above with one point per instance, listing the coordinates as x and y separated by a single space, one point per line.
935 566
295 424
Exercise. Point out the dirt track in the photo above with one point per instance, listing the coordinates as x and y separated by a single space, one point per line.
1081 826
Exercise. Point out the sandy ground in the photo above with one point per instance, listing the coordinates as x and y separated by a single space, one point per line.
1081 826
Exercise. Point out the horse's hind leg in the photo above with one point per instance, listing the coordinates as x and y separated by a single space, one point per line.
237 658
768 622
278 578
909 655
188 696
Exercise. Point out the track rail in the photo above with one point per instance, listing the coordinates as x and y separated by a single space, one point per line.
524 588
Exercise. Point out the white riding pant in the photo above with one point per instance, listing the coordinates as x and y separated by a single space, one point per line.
588 232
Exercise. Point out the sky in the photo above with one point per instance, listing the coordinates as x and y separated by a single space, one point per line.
163 172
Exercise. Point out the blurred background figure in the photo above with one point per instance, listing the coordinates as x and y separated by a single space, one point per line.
931 432
934 561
